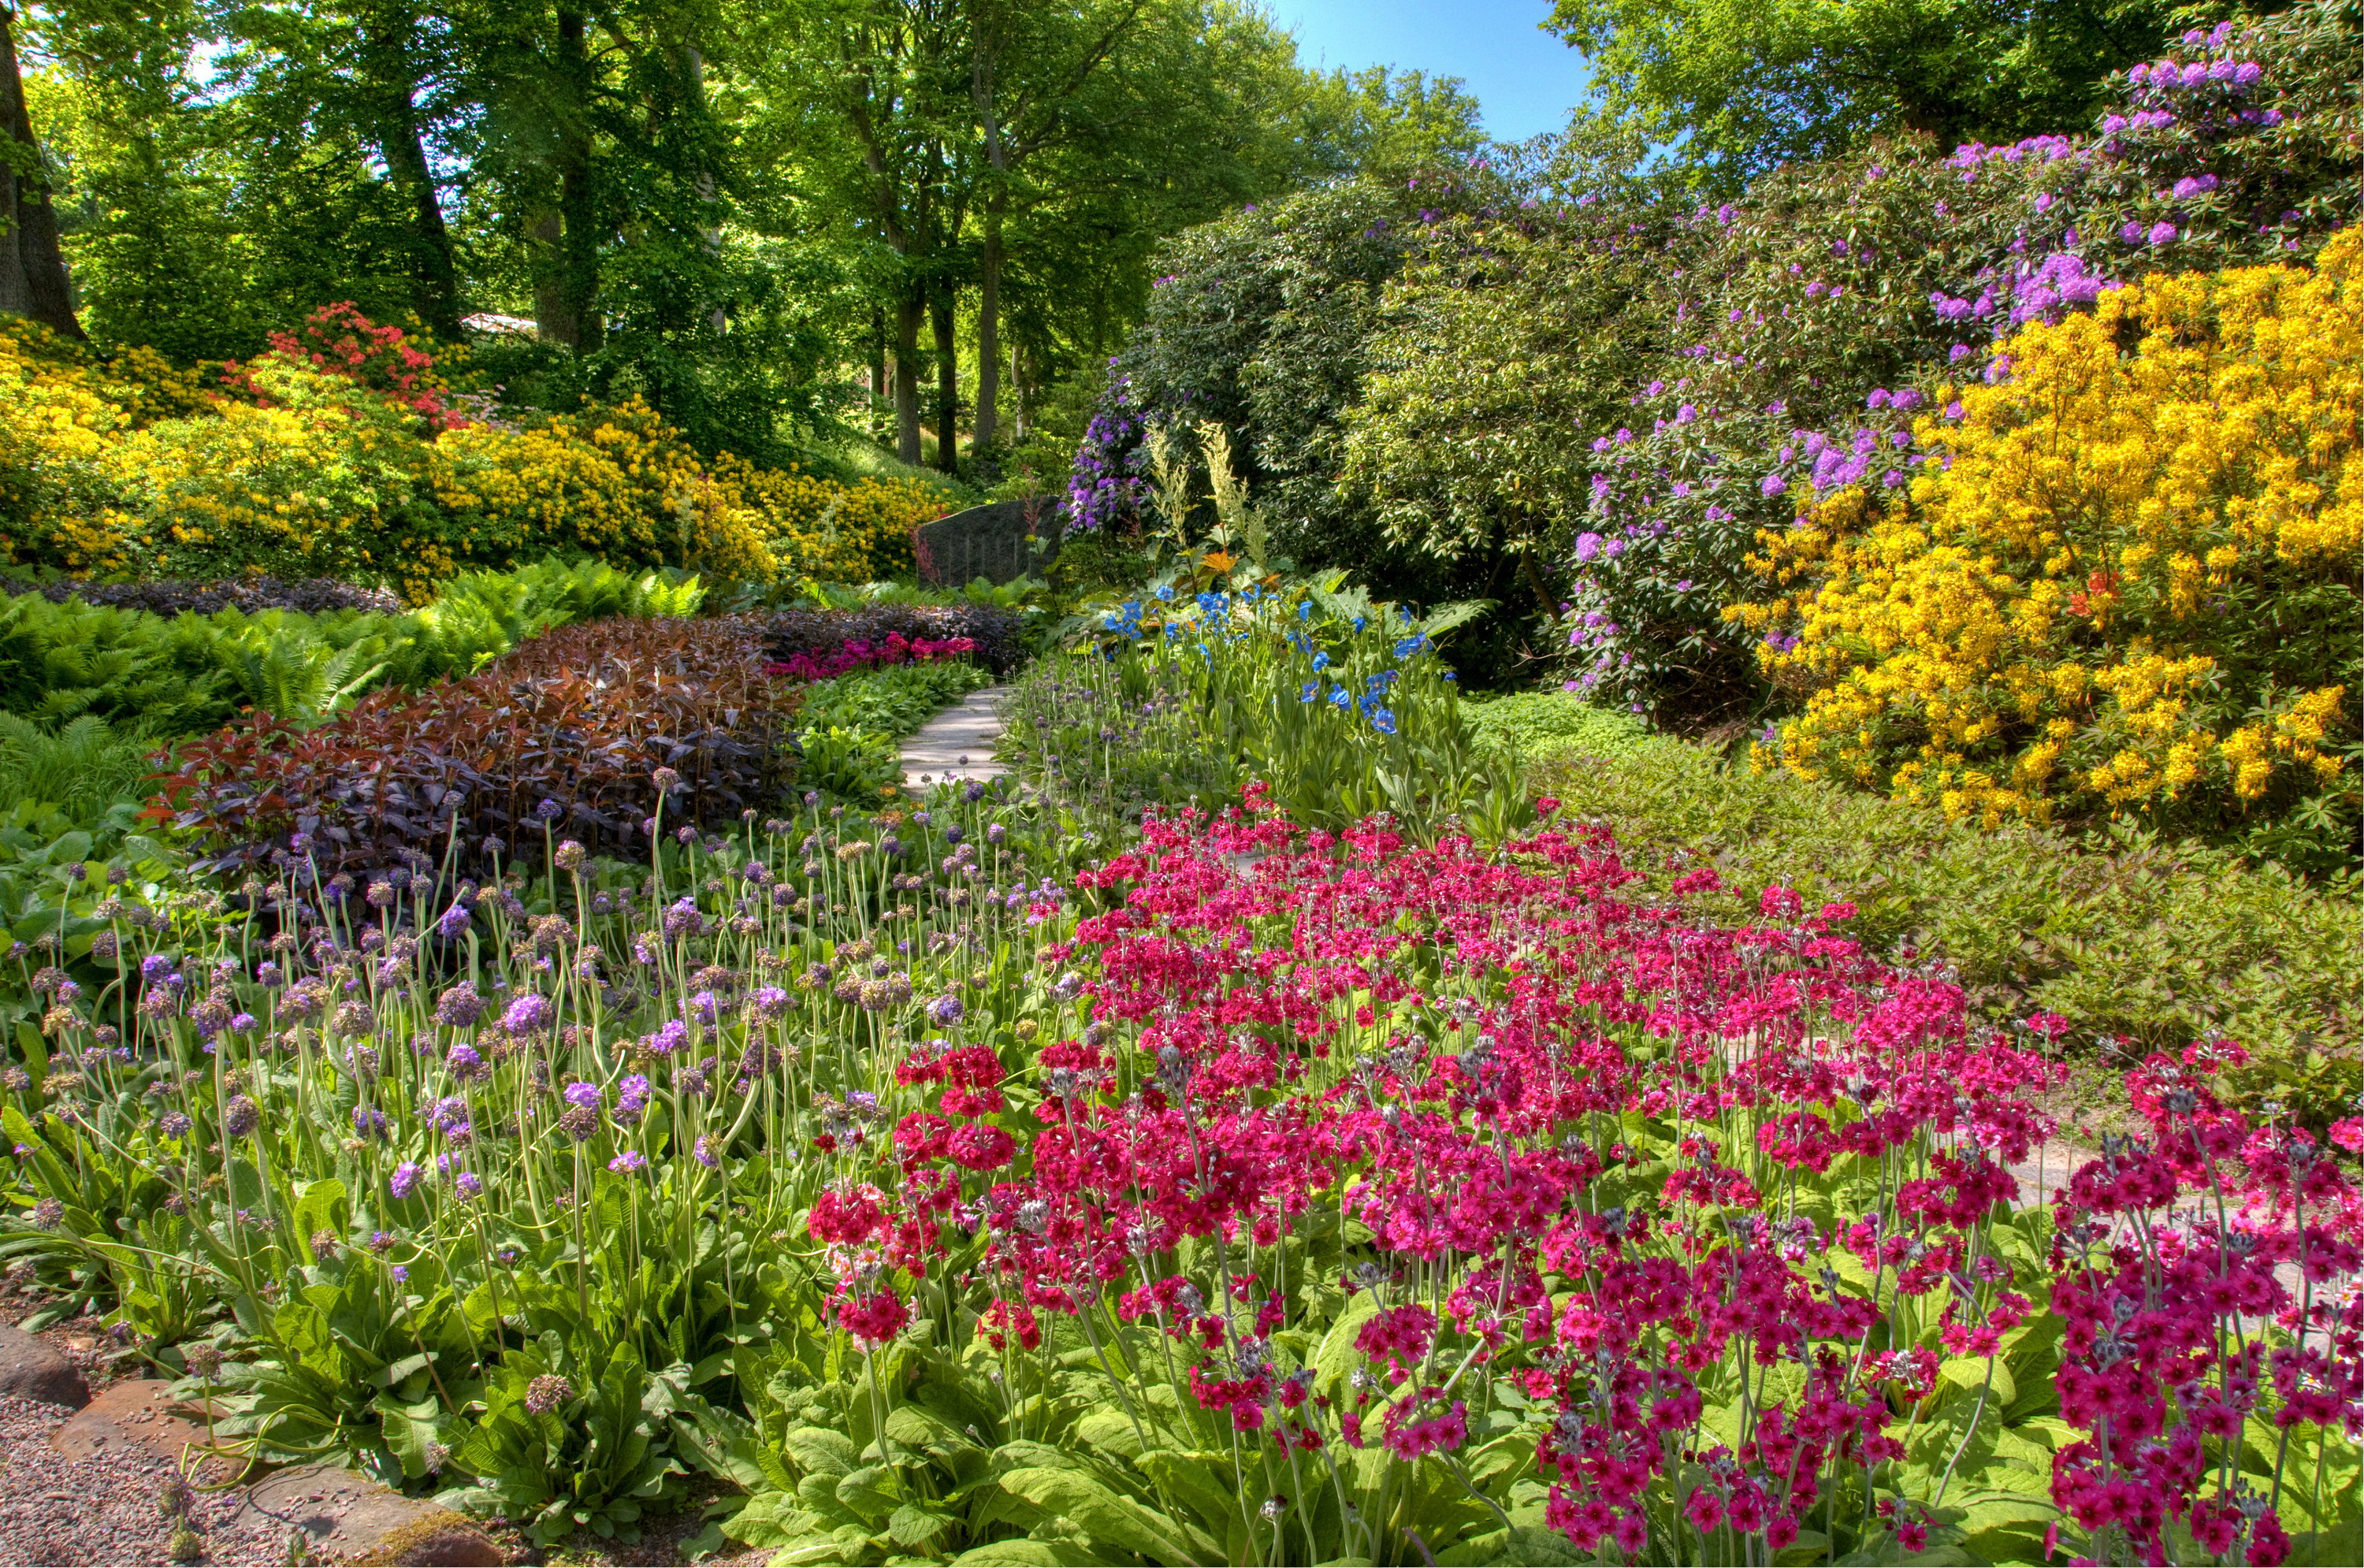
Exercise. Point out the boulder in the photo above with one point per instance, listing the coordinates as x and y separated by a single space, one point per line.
32 1368
351 1518
989 541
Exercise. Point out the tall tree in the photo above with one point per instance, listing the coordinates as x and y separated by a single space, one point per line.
32 270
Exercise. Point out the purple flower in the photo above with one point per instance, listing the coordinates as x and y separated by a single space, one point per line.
1774 485
468 1184
460 1007
583 1095
629 1160
404 1180
1587 545
529 1014
703 1152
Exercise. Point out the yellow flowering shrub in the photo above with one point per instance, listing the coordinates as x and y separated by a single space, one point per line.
340 454
834 533
617 483
320 480
60 407
2125 581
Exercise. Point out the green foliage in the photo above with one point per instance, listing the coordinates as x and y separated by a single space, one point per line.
178 676
1737 86
1331 704
1537 725
2131 937
81 766
1501 337
851 724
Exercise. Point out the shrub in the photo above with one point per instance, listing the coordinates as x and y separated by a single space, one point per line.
561 736
2127 584
172 596
816 529
1534 724
1807 306
322 480
2162 944
618 483
997 633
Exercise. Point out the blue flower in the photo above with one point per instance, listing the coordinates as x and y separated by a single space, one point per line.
1407 647
1340 696
1166 594
1308 692
1305 609
1384 721
1320 662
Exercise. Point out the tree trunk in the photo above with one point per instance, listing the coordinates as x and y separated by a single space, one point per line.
434 276
939 316
1017 398
878 369
552 321
32 270
578 197
989 332
908 311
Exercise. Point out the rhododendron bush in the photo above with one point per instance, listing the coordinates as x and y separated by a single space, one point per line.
1261 1193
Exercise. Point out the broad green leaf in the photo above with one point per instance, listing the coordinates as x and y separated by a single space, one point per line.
820 1451
871 1492
913 1527
1100 1509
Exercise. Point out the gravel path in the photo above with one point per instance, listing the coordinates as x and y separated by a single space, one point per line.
108 1509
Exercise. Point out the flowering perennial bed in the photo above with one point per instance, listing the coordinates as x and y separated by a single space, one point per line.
1374 1202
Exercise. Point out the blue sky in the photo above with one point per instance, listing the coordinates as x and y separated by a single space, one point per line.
1525 79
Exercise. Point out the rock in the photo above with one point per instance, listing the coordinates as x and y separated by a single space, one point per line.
351 1518
35 1369
141 1413
996 541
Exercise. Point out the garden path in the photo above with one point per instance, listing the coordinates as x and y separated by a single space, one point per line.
958 742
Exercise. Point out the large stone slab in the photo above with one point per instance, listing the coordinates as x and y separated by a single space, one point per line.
989 541
141 1413
351 1518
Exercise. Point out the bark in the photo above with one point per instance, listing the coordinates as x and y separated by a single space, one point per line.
554 322
908 311
32 270
578 195
877 367
434 274
989 332
939 316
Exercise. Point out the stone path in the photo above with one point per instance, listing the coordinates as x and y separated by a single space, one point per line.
958 742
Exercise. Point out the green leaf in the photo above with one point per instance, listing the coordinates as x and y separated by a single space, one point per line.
871 1492
912 1526
1105 1514
820 1451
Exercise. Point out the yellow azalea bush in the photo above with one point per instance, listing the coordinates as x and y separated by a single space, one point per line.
617 483
319 479
61 408
2125 581
829 532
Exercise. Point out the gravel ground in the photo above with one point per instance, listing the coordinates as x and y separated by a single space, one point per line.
103 1510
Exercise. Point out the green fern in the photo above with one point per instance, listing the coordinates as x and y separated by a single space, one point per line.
81 767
